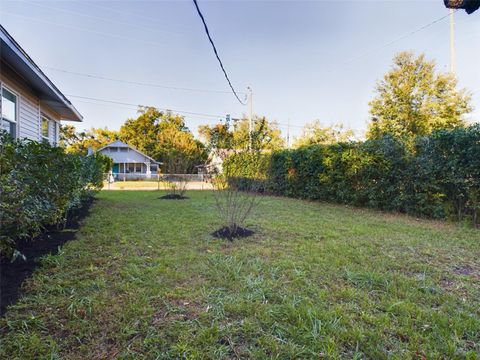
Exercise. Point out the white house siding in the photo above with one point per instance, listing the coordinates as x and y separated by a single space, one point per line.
29 109
130 156
129 163
53 124
29 120
27 104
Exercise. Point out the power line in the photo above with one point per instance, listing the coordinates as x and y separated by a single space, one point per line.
132 105
381 47
128 13
216 53
210 121
101 77
121 37
125 38
137 39
90 16
140 105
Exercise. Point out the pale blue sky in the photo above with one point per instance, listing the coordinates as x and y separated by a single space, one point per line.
304 60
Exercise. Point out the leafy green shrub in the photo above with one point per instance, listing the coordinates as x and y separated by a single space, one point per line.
248 169
438 178
39 184
453 161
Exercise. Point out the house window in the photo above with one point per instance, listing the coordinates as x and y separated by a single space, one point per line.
9 113
123 149
131 168
138 168
45 128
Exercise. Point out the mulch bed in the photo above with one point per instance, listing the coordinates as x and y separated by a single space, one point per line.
173 197
226 233
12 274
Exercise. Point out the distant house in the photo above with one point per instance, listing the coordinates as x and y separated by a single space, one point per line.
128 162
214 163
31 105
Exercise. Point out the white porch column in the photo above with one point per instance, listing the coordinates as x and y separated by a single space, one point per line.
148 172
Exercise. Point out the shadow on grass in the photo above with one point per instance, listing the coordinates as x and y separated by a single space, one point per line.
12 274
173 197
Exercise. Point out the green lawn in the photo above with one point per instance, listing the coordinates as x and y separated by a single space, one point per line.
145 279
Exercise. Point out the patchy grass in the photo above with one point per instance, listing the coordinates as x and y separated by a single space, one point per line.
145 279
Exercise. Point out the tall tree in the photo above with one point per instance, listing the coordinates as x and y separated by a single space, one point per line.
175 140
414 99
220 132
266 135
163 136
142 132
316 133
80 142
68 135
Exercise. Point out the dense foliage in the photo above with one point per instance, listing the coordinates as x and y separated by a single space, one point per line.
79 142
265 134
438 178
39 184
317 133
413 99
163 136
160 135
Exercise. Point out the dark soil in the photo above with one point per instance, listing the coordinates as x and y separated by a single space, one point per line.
173 197
12 274
463 270
226 233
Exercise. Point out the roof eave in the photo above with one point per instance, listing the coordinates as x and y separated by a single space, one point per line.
130 147
19 60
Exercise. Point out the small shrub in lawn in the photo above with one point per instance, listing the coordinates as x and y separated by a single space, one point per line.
234 205
237 187
176 176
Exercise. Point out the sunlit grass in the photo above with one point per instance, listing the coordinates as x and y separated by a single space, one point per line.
151 185
126 185
145 279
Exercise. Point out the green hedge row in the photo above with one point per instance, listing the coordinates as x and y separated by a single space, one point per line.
39 185
437 177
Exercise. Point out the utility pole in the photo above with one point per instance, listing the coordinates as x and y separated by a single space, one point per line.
452 43
250 117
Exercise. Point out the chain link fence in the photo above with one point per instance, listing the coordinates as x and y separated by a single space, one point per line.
142 181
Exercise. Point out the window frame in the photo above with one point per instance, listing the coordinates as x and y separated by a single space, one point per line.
44 117
17 108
